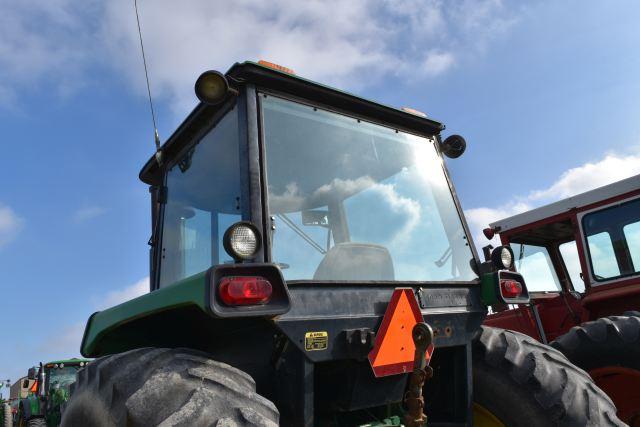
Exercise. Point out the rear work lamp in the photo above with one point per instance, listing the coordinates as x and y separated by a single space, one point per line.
242 241
212 88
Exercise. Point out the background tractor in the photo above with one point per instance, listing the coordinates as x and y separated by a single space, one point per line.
581 258
307 249
48 391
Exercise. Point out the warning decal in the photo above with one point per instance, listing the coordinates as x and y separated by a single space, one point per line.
393 352
316 341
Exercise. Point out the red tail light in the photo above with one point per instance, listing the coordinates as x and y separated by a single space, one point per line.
245 290
510 288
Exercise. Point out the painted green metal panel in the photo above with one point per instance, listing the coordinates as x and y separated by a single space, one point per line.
489 296
190 291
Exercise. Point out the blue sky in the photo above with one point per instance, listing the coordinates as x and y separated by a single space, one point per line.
545 93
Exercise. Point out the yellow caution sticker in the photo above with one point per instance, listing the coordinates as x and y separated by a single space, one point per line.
316 341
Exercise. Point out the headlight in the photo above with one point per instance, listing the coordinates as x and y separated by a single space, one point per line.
502 257
242 241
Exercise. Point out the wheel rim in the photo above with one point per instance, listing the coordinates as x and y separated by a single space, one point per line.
618 382
482 417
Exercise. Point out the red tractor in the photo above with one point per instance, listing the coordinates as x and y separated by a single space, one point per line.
581 259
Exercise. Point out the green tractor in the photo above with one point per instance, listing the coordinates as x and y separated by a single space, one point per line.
311 265
50 390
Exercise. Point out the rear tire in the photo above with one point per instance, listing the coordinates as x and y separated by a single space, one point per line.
37 422
522 382
149 387
6 415
609 349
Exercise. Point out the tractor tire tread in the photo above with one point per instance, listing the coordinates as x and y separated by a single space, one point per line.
6 416
607 341
565 394
151 386
37 422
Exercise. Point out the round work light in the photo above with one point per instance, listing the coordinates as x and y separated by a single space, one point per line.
242 241
212 87
502 257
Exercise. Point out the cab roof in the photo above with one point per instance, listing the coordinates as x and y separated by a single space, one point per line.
578 202
269 78
67 361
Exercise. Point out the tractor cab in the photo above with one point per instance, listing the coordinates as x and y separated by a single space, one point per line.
314 185
581 257
61 374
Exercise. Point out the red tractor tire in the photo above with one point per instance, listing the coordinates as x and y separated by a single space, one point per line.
609 350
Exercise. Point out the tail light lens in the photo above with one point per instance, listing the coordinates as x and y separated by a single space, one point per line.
245 290
510 288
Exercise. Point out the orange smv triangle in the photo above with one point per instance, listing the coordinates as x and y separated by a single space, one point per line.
393 351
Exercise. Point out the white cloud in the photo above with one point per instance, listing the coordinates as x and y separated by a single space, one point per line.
44 46
574 181
141 287
337 42
589 176
332 41
10 225
87 213
437 62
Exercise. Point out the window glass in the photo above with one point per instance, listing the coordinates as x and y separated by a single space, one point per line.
613 240
60 377
534 263
352 200
203 200
632 234
603 257
571 259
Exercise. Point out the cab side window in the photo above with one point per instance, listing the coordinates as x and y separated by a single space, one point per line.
613 240
571 259
632 235
603 257
534 263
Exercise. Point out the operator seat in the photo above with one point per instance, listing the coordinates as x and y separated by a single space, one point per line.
356 261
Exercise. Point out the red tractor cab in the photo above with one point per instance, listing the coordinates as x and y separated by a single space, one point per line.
581 259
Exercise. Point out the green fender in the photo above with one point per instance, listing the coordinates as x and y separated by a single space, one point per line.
149 319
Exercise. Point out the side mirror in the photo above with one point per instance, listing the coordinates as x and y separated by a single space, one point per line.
453 146
31 373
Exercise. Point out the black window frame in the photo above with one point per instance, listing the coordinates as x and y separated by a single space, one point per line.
592 276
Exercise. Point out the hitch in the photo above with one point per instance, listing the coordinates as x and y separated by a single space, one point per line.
422 338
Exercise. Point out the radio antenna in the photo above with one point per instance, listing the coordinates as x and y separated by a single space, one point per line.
146 75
